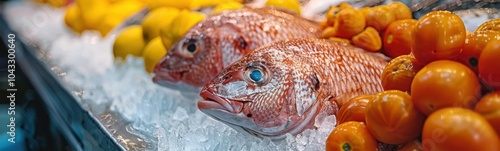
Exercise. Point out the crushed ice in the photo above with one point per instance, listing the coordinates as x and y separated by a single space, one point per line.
168 120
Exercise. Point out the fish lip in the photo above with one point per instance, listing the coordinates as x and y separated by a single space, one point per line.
170 76
211 101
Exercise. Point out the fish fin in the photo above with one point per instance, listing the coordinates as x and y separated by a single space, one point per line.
329 106
325 96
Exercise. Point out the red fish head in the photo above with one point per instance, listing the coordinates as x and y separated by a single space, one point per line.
263 94
191 60
200 55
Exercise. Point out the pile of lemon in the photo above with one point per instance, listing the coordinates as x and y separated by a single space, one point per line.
166 22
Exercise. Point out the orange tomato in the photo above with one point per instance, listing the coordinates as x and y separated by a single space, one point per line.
323 24
351 136
489 108
354 109
444 83
368 40
379 17
392 119
411 146
365 10
399 72
348 22
331 14
474 45
328 32
493 24
397 38
438 35
347 41
488 68
452 129
400 10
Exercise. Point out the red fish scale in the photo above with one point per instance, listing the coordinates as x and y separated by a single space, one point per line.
220 47
342 72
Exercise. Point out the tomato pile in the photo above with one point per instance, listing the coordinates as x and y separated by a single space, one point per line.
444 94
384 27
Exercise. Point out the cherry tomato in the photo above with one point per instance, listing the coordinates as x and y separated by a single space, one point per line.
392 119
400 10
379 17
365 11
397 38
411 146
323 24
399 72
438 35
348 23
489 70
489 108
493 24
351 136
331 14
347 41
369 40
474 45
444 83
454 128
354 109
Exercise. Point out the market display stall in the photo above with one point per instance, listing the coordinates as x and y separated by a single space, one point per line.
104 99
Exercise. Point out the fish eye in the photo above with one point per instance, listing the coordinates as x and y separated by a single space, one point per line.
190 46
256 75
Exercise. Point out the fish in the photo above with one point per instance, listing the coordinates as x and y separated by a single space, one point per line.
281 87
221 39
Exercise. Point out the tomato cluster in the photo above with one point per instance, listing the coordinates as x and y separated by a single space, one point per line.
367 26
444 95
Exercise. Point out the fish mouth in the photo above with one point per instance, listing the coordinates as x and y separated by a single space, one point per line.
216 108
170 76
187 90
212 101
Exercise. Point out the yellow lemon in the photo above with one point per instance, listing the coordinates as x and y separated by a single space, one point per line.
92 12
291 5
197 4
57 3
73 20
129 41
115 1
157 19
184 21
181 4
117 13
152 53
226 6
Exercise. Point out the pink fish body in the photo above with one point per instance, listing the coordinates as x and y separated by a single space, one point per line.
281 87
221 39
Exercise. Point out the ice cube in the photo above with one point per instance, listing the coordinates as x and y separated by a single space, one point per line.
180 114
319 119
327 125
